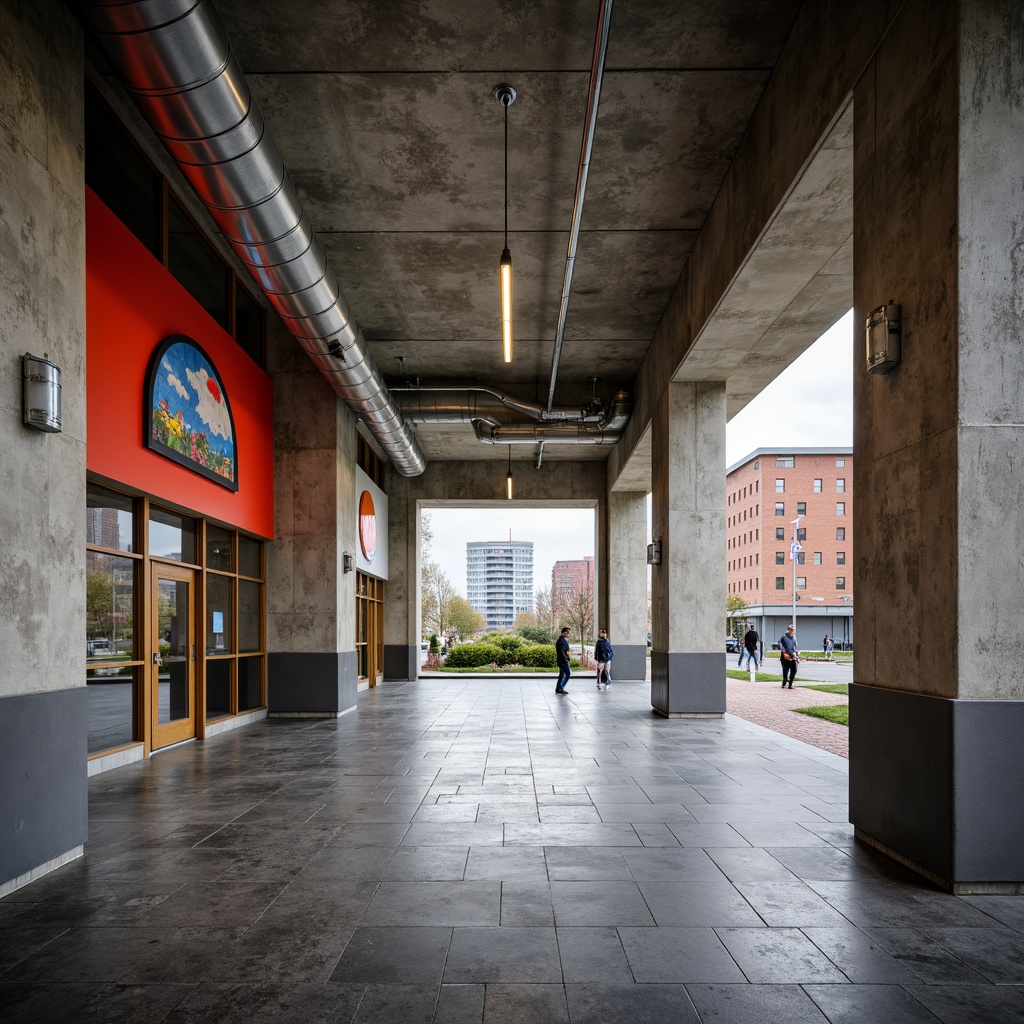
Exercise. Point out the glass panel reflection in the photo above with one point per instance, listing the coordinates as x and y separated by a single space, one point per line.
249 557
111 695
109 607
218 548
250 683
172 536
218 615
218 689
108 519
173 649
249 615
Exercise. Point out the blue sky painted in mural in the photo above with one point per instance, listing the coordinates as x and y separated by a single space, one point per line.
188 383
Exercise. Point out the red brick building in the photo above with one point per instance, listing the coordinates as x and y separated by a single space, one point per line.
765 493
570 576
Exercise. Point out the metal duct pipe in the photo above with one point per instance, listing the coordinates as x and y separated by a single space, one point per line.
464 405
607 431
174 58
604 18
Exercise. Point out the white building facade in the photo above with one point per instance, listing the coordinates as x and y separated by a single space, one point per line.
499 580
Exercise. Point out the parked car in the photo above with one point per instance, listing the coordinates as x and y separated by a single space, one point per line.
99 647
732 645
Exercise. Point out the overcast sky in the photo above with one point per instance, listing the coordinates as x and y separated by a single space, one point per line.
808 405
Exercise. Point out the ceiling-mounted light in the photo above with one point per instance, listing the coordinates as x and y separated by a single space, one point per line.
506 96
508 479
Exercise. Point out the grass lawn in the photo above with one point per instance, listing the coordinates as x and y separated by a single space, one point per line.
827 687
761 677
838 713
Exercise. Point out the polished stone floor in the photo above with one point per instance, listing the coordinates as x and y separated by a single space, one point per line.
464 851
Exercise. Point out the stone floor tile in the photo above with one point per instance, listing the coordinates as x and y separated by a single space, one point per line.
599 904
863 960
755 1004
779 956
608 1002
854 1004
265 1004
525 1004
398 955
707 836
460 1004
698 904
790 904
751 864
427 863
527 905
592 955
506 864
812 864
23 1003
464 834
584 863
397 1004
973 1004
434 904
678 955
488 955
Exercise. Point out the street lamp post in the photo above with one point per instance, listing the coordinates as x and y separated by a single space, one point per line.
794 548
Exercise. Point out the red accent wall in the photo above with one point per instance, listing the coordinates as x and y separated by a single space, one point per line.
132 304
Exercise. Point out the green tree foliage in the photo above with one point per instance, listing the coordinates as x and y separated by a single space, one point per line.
462 620
537 634
734 606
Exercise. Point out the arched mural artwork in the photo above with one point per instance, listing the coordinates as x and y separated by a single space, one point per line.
188 416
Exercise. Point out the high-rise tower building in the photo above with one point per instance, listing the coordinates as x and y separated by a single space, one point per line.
499 580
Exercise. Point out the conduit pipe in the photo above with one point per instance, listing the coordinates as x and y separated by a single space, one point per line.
174 59
607 430
604 18
464 405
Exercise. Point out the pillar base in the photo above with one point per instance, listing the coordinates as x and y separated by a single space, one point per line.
935 783
312 684
630 662
401 662
688 684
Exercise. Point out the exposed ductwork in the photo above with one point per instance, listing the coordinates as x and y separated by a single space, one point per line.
174 59
484 407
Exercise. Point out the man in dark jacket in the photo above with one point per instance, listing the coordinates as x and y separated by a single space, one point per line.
562 650
603 654
750 643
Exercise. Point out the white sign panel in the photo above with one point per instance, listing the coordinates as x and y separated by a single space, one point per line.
371 527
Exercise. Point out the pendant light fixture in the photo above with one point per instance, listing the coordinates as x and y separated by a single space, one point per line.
506 96
508 479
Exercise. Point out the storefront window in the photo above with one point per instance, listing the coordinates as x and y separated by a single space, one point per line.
218 548
109 521
218 688
219 615
250 683
249 558
171 536
111 696
109 608
249 616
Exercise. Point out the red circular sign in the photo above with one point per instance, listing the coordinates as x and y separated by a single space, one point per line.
367 526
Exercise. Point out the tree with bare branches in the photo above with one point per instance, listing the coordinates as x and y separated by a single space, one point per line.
578 611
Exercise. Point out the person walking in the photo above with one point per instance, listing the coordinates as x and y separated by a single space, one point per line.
750 644
562 652
603 654
829 648
789 656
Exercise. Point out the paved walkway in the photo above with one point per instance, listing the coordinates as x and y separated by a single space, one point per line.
483 851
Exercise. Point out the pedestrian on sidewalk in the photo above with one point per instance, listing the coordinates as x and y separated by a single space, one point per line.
829 648
562 652
603 654
789 656
750 645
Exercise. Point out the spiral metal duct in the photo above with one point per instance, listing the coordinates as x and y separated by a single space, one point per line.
483 407
174 58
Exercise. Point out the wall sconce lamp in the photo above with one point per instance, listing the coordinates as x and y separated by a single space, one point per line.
347 562
506 96
40 394
654 553
508 479
882 331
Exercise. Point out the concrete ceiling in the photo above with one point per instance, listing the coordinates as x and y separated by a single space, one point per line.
384 114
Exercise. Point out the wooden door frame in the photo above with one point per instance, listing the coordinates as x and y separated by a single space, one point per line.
185 728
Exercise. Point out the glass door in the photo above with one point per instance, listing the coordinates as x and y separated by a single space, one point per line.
173 667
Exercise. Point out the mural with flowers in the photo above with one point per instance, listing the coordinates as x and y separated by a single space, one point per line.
189 418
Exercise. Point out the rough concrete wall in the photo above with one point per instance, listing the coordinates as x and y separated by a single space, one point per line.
990 325
303 613
831 42
688 515
42 311
401 620
626 614
346 520
905 422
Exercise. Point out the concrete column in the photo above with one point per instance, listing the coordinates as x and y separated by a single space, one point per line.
937 706
626 616
310 600
43 702
688 517
402 611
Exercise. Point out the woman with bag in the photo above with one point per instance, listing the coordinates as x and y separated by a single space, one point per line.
789 656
